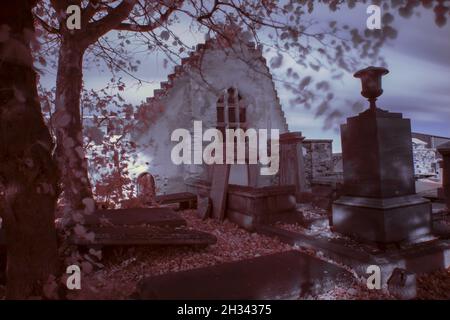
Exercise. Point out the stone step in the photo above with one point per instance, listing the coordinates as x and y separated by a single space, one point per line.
136 216
286 275
148 236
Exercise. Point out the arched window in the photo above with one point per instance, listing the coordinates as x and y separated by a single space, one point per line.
231 110
232 114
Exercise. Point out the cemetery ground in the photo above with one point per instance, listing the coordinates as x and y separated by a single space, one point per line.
124 267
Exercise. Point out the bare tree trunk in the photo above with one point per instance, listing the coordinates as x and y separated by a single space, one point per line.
27 171
68 124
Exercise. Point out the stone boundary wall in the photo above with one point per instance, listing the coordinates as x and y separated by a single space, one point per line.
318 156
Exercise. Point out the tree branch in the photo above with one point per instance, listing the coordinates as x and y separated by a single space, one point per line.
90 10
45 25
98 28
148 27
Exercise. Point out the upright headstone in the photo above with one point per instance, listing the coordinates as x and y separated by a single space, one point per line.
444 150
146 188
292 167
379 203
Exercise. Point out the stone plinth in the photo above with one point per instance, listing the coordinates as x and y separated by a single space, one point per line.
380 202
248 206
377 155
382 220
444 150
292 167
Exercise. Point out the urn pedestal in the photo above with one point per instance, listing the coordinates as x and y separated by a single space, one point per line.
380 203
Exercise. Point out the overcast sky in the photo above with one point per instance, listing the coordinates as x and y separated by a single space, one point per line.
418 84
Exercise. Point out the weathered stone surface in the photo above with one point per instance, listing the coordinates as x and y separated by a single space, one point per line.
377 155
417 258
383 220
248 206
318 157
219 189
186 200
135 236
402 284
204 207
284 275
444 150
424 158
136 216
379 202
146 188
292 166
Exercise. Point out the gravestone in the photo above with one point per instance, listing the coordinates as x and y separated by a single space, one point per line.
140 226
145 236
379 202
285 275
444 150
204 207
135 216
219 189
146 188
292 167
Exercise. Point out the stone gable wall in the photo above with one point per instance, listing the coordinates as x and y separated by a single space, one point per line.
190 95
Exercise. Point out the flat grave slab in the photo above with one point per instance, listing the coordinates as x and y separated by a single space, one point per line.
185 200
286 275
419 258
136 216
138 235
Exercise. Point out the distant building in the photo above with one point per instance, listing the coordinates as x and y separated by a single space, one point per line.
431 141
426 157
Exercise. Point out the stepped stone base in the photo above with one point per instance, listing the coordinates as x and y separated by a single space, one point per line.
386 220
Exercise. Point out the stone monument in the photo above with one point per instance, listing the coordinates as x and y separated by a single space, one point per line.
444 150
379 202
292 167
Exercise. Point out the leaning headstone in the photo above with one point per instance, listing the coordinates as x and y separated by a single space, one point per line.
379 202
403 284
219 189
204 207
